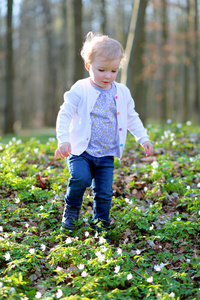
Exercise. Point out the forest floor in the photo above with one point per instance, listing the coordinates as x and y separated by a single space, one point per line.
154 226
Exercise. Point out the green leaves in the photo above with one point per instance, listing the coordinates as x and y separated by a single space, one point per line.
154 222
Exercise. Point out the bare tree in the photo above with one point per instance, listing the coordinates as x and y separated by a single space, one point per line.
120 23
196 62
51 75
79 68
103 19
9 107
186 66
130 41
132 71
164 22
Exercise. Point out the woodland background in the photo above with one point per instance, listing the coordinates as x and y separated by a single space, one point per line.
40 44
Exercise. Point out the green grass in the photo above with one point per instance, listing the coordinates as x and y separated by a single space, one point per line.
155 221
42 134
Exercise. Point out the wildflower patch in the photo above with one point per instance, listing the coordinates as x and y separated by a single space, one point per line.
154 226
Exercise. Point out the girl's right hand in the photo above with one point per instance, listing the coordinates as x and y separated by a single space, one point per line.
64 150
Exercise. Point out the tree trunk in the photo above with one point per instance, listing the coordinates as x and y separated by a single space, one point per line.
120 23
186 66
196 63
79 66
130 41
103 17
50 99
132 71
163 102
9 107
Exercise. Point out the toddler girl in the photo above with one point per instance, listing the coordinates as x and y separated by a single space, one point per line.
92 126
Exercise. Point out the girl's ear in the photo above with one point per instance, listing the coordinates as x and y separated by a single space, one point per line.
87 66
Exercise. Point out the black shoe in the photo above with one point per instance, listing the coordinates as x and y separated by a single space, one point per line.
70 217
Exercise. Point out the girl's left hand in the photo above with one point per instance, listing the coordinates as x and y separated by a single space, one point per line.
148 148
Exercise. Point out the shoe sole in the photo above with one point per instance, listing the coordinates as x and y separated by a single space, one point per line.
68 227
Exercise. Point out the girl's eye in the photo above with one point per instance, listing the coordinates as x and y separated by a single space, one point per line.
114 71
101 70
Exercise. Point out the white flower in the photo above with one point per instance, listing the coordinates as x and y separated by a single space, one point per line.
38 295
188 123
7 256
1 228
87 234
129 276
179 125
43 247
198 185
169 121
104 249
102 240
84 274
58 269
17 200
178 219
36 150
151 228
188 260
138 252
1 284
101 257
155 164
41 207
159 267
68 240
145 189
119 251
150 279
18 142
162 265
81 266
31 251
172 295
98 253
188 187
12 290
26 225
128 201
59 293
117 268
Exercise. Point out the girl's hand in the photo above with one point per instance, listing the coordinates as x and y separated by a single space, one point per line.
148 148
64 150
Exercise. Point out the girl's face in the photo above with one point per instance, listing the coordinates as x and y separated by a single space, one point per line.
103 72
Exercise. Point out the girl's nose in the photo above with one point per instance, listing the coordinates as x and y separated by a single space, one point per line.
107 75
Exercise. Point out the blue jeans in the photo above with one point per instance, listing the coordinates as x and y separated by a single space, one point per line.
86 170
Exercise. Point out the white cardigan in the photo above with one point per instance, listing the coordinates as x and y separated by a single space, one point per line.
74 124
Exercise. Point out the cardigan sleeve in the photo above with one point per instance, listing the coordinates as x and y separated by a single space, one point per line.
66 113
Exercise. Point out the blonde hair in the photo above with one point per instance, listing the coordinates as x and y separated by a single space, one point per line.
102 45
